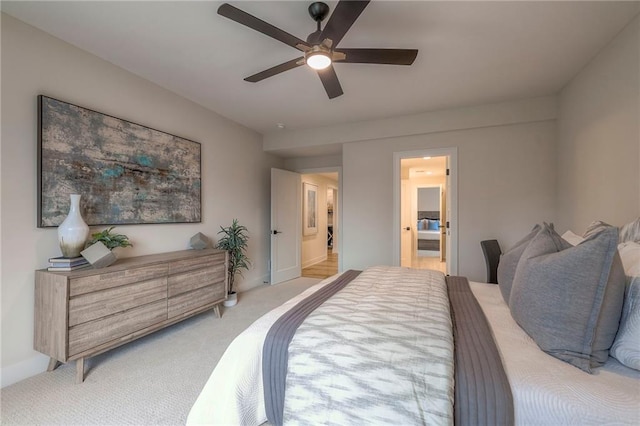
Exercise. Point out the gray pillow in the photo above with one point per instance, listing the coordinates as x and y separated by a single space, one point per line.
626 346
595 227
509 261
569 299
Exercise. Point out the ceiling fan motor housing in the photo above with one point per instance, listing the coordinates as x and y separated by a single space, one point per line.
318 11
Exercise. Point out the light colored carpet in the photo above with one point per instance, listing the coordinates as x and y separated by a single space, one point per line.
153 381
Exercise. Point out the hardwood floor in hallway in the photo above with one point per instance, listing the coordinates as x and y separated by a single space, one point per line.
426 262
323 269
330 266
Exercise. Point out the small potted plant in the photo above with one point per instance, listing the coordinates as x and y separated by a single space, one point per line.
234 241
99 251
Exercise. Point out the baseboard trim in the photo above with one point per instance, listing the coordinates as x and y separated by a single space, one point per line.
23 370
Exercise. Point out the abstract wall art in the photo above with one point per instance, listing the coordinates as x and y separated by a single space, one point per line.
126 173
310 209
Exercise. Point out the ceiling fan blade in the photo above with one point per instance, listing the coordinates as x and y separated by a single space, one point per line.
379 56
259 25
342 18
294 63
330 82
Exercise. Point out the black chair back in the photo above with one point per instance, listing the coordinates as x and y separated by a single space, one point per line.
492 252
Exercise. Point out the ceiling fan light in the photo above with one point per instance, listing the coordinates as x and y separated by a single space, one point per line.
318 60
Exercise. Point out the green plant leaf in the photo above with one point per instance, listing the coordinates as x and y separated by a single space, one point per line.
234 240
110 240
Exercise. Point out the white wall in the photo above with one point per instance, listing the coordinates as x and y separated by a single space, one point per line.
314 247
506 164
506 174
519 111
321 162
506 183
235 171
599 138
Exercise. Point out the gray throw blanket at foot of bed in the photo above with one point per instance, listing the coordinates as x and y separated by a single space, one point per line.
482 391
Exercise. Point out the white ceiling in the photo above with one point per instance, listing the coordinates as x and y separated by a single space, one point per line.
470 53
427 167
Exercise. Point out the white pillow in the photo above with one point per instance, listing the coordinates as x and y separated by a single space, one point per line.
572 238
626 346
630 231
630 256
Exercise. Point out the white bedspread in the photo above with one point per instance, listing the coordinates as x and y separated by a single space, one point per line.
234 394
429 235
379 352
547 391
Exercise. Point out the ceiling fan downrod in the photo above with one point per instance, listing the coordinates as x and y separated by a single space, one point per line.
318 11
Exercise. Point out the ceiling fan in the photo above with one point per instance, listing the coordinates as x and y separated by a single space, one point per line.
320 49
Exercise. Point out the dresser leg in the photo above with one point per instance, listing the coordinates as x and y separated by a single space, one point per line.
53 364
217 311
80 370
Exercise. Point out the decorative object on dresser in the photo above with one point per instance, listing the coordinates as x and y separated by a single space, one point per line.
100 250
234 242
66 264
128 173
73 231
98 255
83 313
199 241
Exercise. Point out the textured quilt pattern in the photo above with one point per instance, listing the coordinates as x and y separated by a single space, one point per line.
378 352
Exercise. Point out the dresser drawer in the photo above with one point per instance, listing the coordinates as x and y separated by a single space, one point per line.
103 281
186 265
186 302
94 333
91 306
188 281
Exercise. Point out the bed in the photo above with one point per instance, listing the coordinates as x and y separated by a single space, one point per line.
428 233
353 360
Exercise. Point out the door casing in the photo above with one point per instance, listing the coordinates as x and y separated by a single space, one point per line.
452 207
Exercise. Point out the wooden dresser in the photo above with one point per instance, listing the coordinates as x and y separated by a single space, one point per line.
83 313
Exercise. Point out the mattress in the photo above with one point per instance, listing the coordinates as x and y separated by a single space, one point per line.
547 391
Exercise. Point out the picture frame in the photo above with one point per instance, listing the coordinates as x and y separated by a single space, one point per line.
309 209
125 172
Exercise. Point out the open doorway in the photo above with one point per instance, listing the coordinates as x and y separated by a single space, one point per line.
429 249
423 195
320 248
425 209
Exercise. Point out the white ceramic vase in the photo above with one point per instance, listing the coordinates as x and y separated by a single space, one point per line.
73 231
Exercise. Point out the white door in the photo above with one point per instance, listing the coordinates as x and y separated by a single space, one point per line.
406 248
286 225
451 265
443 221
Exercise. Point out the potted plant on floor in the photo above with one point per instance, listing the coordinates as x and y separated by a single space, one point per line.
234 241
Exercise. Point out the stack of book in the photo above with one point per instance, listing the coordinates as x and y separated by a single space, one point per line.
66 264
